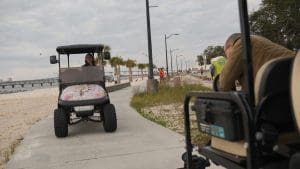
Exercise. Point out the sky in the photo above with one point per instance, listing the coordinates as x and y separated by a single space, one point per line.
31 30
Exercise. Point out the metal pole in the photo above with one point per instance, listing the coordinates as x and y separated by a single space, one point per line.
176 64
150 74
171 62
167 65
181 65
186 66
247 58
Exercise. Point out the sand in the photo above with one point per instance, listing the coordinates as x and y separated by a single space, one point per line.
18 112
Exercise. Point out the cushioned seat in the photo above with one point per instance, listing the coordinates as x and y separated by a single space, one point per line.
272 85
295 89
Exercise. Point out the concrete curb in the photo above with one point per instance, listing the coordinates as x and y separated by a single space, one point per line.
117 87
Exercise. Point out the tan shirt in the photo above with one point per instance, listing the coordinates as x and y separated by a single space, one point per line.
263 50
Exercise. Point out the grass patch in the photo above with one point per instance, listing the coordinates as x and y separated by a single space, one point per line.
167 95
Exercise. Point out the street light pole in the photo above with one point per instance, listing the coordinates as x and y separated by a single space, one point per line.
177 62
150 75
171 62
186 68
172 59
166 48
167 65
181 65
152 84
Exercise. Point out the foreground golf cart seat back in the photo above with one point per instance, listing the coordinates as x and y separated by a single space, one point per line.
222 115
273 110
295 92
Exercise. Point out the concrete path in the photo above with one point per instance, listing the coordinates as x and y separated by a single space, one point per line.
137 144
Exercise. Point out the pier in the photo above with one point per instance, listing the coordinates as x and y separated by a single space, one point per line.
22 83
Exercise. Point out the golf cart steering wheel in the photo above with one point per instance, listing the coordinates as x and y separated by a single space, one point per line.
216 83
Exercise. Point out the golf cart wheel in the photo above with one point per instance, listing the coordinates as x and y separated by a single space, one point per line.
110 118
60 123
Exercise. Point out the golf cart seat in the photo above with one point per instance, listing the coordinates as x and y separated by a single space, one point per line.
272 96
295 90
295 93
68 75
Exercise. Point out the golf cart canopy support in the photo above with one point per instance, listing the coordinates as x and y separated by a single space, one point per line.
81 48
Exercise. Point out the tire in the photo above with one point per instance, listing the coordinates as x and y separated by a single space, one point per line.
60 123
110 118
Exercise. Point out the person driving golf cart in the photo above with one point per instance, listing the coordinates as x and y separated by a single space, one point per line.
89 60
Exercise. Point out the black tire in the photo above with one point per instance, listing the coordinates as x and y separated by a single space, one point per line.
110 118
60 123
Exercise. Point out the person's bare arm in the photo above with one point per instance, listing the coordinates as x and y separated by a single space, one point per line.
233 69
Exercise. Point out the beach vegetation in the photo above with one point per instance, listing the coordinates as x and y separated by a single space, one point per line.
166 108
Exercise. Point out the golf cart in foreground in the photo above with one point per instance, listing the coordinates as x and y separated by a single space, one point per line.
254 129
82 92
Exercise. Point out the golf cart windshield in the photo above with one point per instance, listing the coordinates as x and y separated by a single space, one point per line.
87 74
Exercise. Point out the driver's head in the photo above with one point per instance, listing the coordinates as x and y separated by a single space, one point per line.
230 42
89 59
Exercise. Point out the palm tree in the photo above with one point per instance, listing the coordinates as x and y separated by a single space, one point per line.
142 66
116 62
130 64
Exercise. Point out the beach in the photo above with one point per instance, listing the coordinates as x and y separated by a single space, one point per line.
18 112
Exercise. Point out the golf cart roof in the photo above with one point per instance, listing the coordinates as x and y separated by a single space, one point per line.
80 48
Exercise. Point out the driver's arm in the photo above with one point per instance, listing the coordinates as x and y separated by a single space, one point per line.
233 69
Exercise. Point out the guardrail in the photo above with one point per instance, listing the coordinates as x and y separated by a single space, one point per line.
117 87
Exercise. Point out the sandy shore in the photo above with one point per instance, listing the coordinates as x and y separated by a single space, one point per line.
18 112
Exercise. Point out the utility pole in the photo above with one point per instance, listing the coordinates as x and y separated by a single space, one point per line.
152 84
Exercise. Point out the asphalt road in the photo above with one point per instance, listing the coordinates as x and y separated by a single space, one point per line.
137 144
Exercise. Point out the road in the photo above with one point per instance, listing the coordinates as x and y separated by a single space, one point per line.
137 143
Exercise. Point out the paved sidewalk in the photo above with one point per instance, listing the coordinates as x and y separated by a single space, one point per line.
138 143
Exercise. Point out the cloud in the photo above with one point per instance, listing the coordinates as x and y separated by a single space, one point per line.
31 28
